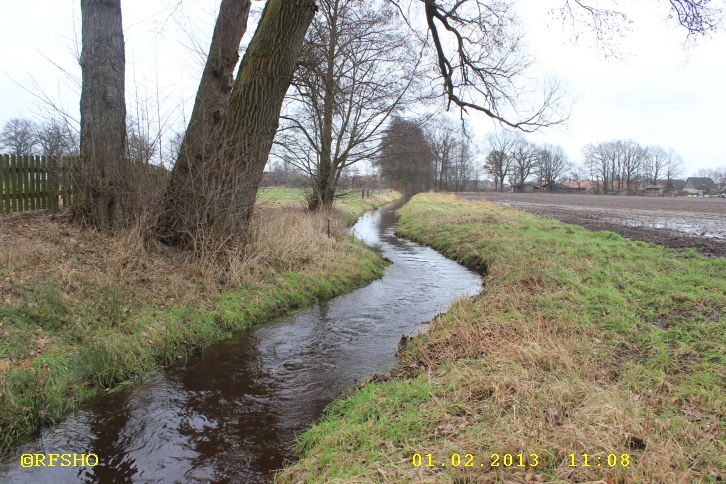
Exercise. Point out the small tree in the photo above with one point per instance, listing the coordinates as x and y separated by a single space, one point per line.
19 136
354 72
552 165
499 159
406 160
56 138
524 158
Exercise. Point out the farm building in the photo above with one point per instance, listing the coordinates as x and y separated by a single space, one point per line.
578 186
526 187
700 185
654 190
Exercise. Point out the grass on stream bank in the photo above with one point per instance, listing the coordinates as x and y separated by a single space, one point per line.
81 311
580 343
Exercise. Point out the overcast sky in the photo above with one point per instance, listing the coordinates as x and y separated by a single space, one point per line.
663 90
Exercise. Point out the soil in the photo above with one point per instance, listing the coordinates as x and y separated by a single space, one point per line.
680 223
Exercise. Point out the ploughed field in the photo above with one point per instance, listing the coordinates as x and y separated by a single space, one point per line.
682 222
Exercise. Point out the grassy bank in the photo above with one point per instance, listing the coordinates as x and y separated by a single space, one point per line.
349 203
581 343
81 312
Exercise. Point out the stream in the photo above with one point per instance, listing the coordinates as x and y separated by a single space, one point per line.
231 413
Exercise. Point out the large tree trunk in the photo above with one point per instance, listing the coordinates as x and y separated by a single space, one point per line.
201 140
102 178
254 111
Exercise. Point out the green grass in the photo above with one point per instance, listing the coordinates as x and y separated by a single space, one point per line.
66 351
280 194
350 202
581 342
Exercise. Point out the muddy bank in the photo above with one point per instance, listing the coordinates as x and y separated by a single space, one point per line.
676 223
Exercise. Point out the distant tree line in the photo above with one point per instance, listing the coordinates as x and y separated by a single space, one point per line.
512 158
625 165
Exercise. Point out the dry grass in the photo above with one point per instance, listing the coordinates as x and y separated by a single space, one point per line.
286 239
82 311
81 264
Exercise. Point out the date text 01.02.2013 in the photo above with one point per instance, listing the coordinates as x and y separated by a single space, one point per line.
474 460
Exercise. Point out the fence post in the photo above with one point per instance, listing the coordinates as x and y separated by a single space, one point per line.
31 182
4 184
4 188
14 183
39 194
43 181
52 182
23 181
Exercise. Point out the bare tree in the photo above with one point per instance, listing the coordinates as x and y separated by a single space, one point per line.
631 156
552 165
463 163
654 163
141 147
718 175
499 159
57 138
355 70
442 134
599 158
524 158
454 162
201 141
19 136
103 181
482 65
673 167
253 114
578 173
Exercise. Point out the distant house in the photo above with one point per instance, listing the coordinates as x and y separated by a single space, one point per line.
654 190
611 187
578 186
676 185
556 188
526 187
700 185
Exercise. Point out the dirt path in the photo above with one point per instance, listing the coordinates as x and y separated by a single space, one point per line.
673 222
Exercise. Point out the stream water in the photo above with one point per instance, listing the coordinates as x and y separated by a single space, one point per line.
231 414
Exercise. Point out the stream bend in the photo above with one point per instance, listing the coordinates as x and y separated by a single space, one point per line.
231 414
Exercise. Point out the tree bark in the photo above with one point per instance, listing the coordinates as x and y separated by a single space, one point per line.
254 110
201 140
102 178
324 190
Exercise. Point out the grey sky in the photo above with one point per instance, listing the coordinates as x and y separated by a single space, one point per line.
662 91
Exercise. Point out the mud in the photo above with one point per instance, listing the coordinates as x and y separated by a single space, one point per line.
679 223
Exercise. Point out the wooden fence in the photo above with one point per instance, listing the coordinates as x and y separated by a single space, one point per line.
33 183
